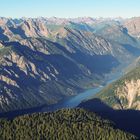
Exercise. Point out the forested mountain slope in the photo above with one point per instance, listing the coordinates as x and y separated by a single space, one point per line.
63 124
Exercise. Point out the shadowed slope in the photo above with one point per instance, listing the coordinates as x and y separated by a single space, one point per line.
127 120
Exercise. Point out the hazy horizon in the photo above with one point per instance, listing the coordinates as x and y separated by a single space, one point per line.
68 17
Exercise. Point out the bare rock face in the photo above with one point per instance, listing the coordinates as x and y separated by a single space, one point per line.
130 92
133 26
34 29
124 93
1 46
3 21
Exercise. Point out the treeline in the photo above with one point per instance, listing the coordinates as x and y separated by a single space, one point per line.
68 124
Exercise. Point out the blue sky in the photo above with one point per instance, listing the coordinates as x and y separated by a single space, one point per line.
69 8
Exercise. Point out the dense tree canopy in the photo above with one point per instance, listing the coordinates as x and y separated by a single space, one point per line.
68 124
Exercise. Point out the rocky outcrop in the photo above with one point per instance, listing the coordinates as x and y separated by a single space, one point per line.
133 26
124 93
130 93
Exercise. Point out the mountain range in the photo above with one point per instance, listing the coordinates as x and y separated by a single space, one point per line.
44 60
